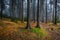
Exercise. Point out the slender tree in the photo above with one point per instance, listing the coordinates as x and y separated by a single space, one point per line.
55 12
22 12
51 9
34 10
2 7
28 15
12 8
42 9
46 11
38 16
20 9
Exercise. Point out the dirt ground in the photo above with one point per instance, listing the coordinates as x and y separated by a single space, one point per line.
9 29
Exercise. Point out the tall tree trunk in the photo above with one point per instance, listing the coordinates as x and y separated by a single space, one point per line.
19 7
42 10
28 15
55 11
22 12
34 11
43 16
1 10
46 11
12 6
2 7
38 16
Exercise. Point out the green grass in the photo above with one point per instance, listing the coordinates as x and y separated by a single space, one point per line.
38 31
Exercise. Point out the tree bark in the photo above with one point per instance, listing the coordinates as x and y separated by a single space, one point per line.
2 7
28 15
46 11
22 13
12 6
38 16
19 9
34 11
55 12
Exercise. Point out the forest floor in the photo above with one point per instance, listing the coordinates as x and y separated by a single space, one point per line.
53 30
14 31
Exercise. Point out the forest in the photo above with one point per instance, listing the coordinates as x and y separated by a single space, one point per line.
29 19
